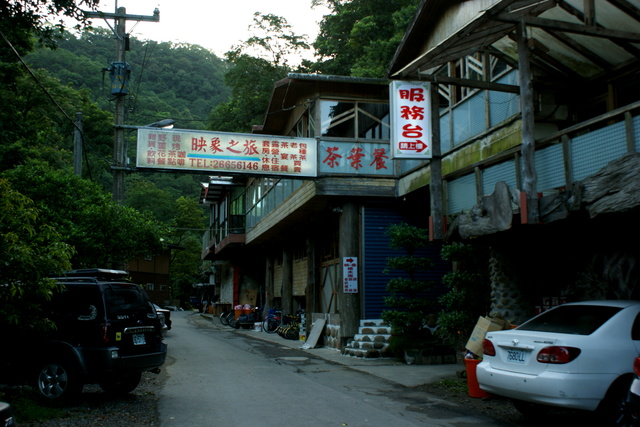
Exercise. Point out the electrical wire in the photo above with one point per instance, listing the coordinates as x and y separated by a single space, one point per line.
44 89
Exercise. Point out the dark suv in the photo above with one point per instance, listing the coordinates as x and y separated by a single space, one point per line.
108 332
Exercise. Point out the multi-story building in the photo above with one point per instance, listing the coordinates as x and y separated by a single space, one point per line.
534 130
536 140
280 242
152 273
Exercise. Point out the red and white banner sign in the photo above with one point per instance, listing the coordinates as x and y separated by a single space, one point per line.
210 152
410 120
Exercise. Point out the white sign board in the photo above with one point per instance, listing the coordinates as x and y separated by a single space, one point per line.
350 275
410 120
204 151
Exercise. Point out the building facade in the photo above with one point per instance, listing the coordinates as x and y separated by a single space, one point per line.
534 133
537 137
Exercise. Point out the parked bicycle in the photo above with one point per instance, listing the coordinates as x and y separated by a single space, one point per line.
290 327
228 318
272 321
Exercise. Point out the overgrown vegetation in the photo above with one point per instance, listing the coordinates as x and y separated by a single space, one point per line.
26 408
468 293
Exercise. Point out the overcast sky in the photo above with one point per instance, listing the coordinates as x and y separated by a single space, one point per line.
214 24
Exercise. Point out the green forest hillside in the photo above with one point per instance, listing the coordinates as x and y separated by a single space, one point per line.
179 81
53 218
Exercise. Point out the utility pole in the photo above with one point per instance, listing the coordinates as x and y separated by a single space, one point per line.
119 72
77 146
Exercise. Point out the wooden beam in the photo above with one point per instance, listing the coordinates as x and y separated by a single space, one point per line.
587 53
627 8
554 25
478 84
529 175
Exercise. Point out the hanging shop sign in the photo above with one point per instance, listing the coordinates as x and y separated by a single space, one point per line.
350 275
410 120
203 151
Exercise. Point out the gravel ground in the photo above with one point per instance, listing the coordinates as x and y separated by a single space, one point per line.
140 408
503 410
95 408
455 390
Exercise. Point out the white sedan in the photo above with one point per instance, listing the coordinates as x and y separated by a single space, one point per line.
572 356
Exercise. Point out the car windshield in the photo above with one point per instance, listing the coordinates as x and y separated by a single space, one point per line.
126 298
571 319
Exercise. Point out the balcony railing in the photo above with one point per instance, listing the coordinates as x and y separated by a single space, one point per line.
561 159
230 231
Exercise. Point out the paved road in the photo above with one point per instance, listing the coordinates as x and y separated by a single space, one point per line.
217 377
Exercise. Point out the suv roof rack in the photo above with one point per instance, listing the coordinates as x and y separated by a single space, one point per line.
101 273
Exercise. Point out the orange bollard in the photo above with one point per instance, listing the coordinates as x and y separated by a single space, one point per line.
472 379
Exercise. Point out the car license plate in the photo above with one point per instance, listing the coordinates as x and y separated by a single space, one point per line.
138 339
517 356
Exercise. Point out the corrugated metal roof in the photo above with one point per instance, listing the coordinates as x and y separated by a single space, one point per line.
568 38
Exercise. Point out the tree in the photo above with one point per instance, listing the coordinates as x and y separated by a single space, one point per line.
409 305
360 37
468 293
258 63
251 81
38 114
30 251
188 225
103 233
273 41
20 18
146 196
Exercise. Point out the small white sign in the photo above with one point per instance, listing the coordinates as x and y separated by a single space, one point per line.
350 275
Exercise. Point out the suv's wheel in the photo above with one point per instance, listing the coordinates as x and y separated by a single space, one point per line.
57 381
121 383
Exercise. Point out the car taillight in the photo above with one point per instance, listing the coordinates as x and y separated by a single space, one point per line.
487 348
557 354
636 366
105 333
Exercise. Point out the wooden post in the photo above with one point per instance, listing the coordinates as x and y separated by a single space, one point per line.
435 186
311 290
119 167
529 176
268 286
287 281
119 153
77 146
348 303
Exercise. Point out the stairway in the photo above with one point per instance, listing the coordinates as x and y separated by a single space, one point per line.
371 342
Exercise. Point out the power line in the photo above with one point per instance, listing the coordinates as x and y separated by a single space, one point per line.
44 89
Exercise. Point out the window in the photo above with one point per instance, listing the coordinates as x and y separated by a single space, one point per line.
373 121
571 319
471 68
348 119
125 299
338 119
